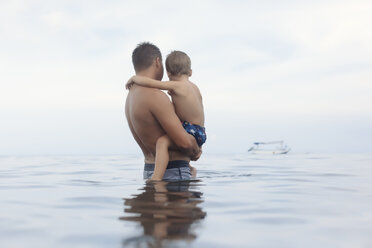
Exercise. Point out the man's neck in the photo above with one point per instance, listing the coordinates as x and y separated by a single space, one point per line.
147 73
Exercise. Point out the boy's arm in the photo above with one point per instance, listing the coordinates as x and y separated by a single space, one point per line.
152 83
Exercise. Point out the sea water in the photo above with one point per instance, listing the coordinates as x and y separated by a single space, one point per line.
237 200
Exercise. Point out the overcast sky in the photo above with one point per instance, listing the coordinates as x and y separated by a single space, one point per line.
300 71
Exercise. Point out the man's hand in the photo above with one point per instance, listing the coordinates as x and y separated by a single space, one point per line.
197 156
190 148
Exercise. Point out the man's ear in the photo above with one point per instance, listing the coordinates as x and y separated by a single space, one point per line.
190 73
158 62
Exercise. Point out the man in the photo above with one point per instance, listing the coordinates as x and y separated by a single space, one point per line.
150 115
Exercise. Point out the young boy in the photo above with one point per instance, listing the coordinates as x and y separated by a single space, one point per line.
187 101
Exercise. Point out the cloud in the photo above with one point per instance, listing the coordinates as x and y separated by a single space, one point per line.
83 48
289 57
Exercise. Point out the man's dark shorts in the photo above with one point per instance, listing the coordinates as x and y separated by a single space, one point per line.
176 170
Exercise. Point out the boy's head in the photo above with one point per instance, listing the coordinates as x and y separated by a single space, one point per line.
178 63
145 55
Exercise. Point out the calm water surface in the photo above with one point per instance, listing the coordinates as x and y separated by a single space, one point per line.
294 200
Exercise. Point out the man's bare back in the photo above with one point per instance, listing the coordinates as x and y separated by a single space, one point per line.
142 107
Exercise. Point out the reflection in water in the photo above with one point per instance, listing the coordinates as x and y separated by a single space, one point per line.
166 211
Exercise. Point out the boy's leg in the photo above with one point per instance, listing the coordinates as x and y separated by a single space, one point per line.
162 157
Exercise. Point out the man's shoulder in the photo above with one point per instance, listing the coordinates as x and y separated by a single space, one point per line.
152 96
147 93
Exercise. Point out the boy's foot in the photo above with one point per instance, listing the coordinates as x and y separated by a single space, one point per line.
192 171
151 180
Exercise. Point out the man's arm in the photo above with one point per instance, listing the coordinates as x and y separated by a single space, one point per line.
152 83
164 113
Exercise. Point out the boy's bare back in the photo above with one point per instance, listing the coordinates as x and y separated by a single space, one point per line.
188 102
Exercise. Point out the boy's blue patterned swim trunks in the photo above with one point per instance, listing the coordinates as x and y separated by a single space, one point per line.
197 131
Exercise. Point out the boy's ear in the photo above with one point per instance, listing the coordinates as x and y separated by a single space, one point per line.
168 74
190 73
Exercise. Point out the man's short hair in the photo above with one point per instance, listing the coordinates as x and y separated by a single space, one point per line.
178 63
144 55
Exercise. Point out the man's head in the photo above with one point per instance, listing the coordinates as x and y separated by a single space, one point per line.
147 56
178 63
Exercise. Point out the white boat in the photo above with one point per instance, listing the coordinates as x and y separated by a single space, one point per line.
273 147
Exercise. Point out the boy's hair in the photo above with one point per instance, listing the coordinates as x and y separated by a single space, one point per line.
178 63
144 55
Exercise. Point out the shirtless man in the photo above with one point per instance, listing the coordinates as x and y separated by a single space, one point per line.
150 115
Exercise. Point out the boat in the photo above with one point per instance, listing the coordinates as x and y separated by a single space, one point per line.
273 147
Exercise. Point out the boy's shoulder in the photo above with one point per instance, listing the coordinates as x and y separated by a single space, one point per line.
194 88
190 85
193 85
